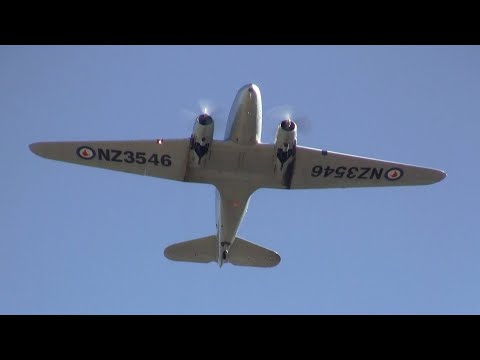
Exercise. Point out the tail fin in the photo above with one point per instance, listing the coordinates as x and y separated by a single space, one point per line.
201 250
245 253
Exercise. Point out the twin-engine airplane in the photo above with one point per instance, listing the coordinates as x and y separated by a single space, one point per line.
237 166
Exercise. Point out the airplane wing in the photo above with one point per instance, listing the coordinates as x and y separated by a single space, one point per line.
159 158
315 169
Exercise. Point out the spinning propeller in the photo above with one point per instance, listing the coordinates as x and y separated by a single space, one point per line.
208 108
274 116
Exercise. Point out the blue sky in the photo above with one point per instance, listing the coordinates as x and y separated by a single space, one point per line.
80 240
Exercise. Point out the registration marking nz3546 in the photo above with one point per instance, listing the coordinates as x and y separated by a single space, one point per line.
354 172
126 156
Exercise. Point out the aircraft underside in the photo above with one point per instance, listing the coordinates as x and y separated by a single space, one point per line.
237 166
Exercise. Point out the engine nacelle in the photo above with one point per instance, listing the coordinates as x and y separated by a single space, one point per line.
285 144
201 138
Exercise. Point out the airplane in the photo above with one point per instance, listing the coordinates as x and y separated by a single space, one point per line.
237 166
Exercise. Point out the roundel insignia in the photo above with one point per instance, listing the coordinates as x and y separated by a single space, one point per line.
86 152
394 174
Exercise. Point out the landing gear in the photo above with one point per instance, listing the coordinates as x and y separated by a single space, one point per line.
224 255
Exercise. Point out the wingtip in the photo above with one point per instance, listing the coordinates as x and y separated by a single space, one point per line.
441 175
40 149
276 259
34 148
167 253
279 259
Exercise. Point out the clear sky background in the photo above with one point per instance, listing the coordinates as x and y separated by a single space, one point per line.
80 240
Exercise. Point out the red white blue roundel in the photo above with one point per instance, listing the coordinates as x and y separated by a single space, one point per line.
86 152
394 174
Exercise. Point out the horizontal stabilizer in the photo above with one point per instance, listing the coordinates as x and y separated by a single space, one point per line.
202 250
245 253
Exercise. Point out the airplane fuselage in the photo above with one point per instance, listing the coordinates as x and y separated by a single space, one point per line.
244 127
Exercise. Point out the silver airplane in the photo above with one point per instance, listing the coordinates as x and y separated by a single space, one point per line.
237 166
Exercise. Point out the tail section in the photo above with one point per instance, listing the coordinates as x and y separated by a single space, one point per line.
201 250
245 253
205 250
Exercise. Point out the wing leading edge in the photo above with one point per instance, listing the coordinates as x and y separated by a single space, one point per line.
158 158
